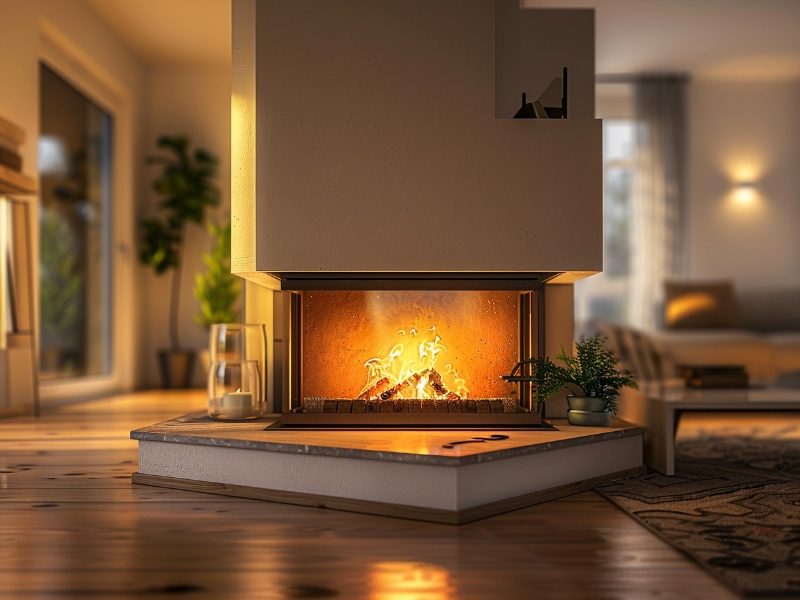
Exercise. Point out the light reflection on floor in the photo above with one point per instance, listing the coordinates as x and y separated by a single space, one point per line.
409 581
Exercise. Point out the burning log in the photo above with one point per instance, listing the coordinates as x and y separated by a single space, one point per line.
409 385
376 389
408 388
435 380
412 405
383 397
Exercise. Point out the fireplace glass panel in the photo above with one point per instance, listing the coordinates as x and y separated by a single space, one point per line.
417 344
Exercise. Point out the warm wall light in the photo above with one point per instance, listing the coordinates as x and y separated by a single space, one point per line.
745 192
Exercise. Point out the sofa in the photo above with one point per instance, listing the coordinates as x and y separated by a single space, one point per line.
760 330
715 324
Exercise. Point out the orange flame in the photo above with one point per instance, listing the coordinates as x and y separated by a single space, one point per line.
413 361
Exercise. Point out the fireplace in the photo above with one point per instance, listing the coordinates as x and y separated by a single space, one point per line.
401 235
389 171
392 350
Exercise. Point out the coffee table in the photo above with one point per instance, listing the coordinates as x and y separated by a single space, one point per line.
658 408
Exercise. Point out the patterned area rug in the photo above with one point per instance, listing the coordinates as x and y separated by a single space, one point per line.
733 506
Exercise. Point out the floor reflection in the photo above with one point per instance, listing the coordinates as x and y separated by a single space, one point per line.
409 581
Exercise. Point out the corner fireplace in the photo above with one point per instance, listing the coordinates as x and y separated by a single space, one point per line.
363 174
388 350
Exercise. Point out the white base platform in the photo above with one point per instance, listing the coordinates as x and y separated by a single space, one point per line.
468 482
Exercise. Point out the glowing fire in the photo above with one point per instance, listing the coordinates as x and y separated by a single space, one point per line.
466 338
409 370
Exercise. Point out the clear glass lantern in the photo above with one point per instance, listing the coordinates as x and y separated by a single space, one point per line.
239 341
235 390
231 342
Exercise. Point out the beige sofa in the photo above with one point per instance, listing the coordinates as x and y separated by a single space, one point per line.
764 338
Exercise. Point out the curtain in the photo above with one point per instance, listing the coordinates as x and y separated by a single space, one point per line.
659 194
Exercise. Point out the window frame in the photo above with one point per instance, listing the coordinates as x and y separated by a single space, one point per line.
87 78
619 285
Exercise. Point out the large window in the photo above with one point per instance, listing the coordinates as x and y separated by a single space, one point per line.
606 296
75 146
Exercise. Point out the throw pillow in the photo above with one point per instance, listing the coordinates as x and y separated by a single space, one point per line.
700 305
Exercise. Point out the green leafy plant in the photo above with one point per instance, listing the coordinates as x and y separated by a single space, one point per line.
61 282
548 377
594 370
217 289
187 189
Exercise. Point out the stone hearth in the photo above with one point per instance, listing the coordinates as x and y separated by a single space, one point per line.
447 476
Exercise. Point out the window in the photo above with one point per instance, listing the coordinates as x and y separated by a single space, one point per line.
605 296
75 158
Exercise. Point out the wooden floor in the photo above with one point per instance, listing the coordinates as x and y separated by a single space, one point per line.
73 526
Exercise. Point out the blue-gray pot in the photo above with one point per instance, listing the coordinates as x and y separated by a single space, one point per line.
586 404
589 418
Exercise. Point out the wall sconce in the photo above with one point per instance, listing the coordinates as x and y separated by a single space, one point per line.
745 192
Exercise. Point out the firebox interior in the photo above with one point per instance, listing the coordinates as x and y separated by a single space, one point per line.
416 344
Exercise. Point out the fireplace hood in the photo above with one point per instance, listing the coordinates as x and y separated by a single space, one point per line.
373 145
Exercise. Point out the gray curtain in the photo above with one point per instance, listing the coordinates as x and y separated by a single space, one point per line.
659 193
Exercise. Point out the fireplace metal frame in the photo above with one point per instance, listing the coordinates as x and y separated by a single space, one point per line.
531 310
472 281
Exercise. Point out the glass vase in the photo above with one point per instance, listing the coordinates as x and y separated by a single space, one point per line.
239 342
235 390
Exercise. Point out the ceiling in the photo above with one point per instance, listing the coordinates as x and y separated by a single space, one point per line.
715 39
171 32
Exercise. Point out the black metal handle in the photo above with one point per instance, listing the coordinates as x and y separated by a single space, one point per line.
495 437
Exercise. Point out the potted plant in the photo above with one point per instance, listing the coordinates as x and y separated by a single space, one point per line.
217 289
187 189
548 379
593 375
60 288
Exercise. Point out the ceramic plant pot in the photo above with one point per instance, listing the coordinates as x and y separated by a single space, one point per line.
586 404
175 368
589 412
589 418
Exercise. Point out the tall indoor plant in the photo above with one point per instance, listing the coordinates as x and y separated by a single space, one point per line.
61 284
216 289
186 185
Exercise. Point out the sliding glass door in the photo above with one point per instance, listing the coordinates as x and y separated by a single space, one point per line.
75 266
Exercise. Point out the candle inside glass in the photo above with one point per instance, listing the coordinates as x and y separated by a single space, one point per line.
236 405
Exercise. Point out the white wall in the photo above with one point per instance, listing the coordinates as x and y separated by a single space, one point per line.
395 131
194 101
79 31
745 131
83 43
157 100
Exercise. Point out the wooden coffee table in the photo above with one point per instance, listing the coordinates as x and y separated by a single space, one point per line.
658 408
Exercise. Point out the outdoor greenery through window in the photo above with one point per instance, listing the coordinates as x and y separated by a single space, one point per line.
605 296
74 150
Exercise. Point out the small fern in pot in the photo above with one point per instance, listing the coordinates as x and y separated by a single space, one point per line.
593 377
547 379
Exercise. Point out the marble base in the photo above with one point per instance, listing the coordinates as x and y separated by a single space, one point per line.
413 474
